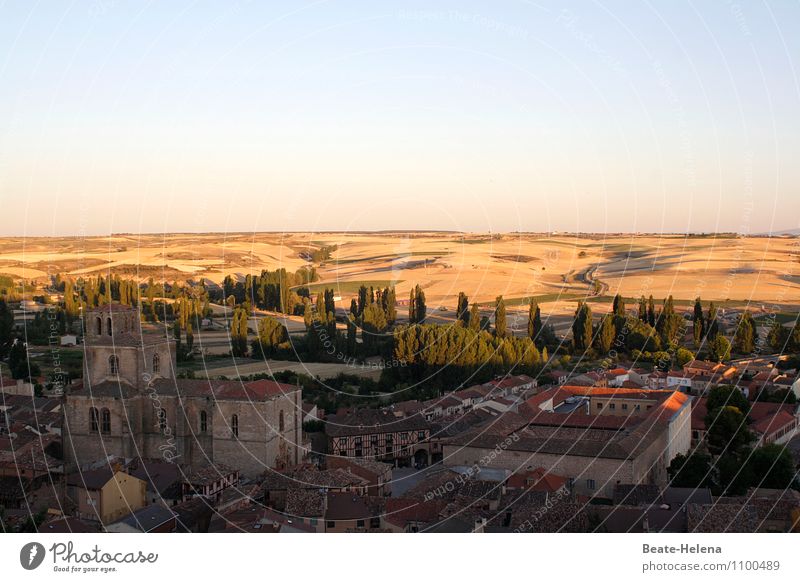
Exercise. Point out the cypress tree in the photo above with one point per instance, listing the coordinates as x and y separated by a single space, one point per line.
698 323
474 317
534 320
606 334
500 324
651 312
421 308
744 340
778 336
582 328
711 323
643 309
462 309
619 305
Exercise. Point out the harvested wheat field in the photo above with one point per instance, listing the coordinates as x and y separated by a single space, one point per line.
557 270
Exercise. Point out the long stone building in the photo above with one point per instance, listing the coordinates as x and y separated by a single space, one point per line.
130 404
595 450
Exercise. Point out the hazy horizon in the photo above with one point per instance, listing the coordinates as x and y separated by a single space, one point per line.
349 116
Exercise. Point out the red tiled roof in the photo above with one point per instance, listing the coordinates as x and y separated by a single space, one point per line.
536 480
401 510
771 424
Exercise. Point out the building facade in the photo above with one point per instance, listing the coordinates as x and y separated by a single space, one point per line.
130 404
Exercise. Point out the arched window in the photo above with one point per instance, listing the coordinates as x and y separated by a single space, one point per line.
99 326
280 422
113 365
235 425
106 421
203 421
108 325
94 420
162 419
156 363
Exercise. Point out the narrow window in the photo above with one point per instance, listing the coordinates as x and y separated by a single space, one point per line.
94 420
156 363
162 419
281 424
203 421
108 325
235 425
106 421
113 365
99 326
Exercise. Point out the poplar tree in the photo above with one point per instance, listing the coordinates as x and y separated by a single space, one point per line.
582 328
462 309
651 312
744 340
534 320
643 309
500 324
606 334
619 305
474 317
421 308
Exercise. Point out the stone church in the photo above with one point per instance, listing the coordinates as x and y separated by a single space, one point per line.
130 404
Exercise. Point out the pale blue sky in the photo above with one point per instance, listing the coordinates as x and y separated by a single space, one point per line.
246 116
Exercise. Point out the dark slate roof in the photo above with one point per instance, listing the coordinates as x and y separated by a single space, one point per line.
641 494
161 476
370 421
93 479
148 518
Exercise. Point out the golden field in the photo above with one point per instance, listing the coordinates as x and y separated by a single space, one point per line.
557 269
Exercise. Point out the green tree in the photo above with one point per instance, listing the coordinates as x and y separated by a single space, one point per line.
772 467
692 470
500 324
719 348
606 334
683 356
239 332
651 312
373 326
421 308
462 309
669 322
271 335
734 473
777 337
582 328
534 320
6 328
712 324
726 430
744 340
474 317
643 309
720 396
618 307
698 323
